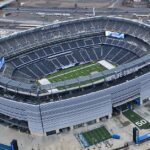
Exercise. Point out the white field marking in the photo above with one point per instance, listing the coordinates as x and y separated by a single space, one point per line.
106 64
73 71
141 123
44 81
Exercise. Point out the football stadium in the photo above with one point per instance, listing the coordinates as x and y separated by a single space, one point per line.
60 76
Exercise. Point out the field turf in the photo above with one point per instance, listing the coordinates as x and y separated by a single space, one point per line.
140 122
96 136
75 72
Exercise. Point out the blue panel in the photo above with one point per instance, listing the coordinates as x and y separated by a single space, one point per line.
137 101
116 136
144 137
4 147
2 62
129 106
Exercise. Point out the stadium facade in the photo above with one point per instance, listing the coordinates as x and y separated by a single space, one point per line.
33 54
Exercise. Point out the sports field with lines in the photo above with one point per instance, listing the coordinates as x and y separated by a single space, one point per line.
140 122
75 72
96 136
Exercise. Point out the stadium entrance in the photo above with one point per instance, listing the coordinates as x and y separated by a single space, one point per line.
64 130
51 132
128 105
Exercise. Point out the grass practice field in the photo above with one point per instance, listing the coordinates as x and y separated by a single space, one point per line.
75 72
96 136
140 122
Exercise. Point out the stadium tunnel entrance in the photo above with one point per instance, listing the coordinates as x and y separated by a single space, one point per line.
63 130
13 123
128 104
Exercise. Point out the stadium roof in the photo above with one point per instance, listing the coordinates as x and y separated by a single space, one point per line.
21 87
5 2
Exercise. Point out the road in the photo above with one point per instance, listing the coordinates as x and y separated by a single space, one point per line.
102 11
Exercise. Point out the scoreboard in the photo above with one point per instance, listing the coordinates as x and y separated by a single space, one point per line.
114 34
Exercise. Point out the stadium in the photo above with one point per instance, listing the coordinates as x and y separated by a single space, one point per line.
60 76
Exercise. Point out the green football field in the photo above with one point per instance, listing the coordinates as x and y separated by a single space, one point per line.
96 136
75 72
140 122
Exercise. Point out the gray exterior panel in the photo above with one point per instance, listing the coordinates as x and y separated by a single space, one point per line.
60 114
